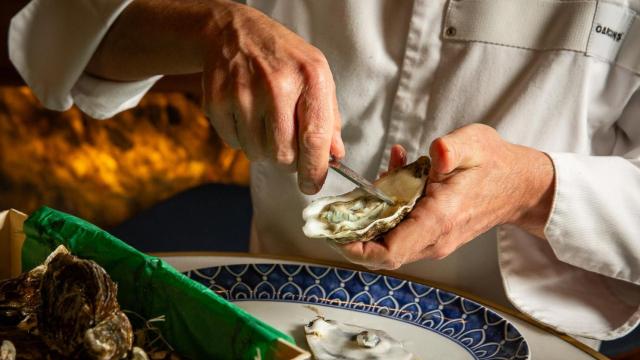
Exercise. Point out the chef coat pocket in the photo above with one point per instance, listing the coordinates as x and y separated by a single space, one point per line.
597 29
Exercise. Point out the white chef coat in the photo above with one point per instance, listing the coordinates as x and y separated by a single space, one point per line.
558 76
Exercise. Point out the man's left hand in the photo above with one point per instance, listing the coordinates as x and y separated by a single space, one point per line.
477 181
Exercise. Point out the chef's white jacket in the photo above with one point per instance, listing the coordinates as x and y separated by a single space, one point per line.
558 76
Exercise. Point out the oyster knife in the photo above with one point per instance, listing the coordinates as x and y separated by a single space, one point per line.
361 182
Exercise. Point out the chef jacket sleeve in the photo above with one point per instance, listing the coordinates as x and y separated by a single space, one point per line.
594 225
595 219
50 44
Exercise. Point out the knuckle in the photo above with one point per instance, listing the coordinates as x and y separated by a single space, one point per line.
282 83
446 226
480 127
391 264
440 252
350 253
481 132
283 147
285 157
447 221
315 140
315 56
317 73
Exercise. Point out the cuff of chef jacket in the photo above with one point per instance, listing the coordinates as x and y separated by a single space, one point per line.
50 44
594 222
102 99
580 281
564 297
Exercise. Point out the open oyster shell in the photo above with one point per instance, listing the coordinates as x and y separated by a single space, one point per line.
332 340
358 216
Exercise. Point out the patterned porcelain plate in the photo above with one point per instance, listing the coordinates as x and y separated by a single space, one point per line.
432 323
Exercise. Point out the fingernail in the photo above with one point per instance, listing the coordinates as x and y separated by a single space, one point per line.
342 147
309 187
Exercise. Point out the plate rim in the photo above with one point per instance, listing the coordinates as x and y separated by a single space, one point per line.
346 307
350 266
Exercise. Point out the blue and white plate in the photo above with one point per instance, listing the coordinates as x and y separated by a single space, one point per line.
432 323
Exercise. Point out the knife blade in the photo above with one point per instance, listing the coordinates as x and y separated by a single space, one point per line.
361 182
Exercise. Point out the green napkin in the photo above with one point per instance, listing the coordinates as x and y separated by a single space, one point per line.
199 323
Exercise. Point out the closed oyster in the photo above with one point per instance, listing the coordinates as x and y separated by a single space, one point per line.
79 312
65 308
358 216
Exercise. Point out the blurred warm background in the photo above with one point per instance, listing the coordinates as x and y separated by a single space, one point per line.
106 171
156 176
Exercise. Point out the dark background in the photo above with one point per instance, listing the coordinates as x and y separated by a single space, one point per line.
207 217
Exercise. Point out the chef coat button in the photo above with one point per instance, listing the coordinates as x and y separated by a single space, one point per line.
451 31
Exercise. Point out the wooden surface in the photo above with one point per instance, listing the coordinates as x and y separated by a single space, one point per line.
284 350
11 239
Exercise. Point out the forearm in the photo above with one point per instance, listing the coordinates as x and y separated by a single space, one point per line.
153 37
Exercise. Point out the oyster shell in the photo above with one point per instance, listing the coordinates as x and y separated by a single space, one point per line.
329 340
358 216
79 310
65 308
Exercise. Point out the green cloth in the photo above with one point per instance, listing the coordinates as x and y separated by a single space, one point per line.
199 323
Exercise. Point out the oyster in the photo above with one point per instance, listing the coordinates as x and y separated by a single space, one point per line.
358 216
79 310
329 340
65 308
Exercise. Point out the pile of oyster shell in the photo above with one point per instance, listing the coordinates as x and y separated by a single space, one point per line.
358 216
65 308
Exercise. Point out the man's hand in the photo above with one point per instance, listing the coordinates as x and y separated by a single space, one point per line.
270 93
265 89
477 180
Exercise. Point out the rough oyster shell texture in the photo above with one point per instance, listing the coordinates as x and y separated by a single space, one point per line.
357 216
66 308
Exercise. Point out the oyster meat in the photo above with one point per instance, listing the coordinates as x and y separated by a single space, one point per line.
329 340
358 216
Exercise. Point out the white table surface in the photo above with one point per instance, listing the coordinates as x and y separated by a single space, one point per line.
543 344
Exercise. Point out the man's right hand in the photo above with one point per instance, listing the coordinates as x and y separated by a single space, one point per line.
270 93
266 90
